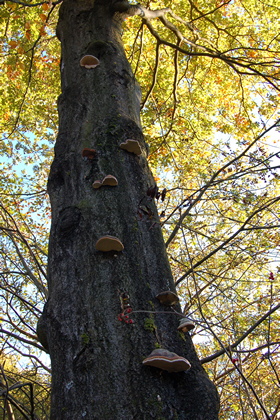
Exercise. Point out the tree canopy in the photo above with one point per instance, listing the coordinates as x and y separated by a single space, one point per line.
209 75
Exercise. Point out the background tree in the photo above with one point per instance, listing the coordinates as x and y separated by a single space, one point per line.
209 79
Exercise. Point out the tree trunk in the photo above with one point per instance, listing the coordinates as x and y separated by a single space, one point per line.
97 370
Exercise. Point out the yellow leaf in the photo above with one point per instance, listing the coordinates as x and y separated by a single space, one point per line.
43 17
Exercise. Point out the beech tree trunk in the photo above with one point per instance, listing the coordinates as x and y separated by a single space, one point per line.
97 370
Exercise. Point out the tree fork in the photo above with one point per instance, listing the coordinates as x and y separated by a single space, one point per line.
97 370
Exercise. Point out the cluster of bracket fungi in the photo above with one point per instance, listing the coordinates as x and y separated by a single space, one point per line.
159 358
165 359
107 180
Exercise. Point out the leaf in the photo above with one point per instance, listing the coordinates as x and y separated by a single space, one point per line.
13 44
43 17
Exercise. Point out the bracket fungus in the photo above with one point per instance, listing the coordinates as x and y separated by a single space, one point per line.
89 61
185 325
97 184
166 360
89 153
167 298
109 243
131 146
109 180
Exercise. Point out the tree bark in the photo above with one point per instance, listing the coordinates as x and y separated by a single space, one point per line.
97 370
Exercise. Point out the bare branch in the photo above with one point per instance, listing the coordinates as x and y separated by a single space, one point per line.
24 340
154 77
211 181
254 350
229 239
239 65
24 301
35 4
31 356
138 10
240 339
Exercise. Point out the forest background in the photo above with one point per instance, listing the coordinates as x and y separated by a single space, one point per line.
209 74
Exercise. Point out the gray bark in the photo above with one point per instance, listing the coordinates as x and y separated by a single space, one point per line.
97 370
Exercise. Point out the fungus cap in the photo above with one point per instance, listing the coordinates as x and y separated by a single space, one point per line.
131 146
186 324
167 298
97 184
109 243
110 180
167 360
89 61
89 153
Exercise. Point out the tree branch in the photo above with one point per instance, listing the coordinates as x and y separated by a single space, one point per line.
229 239
31 356
212 179
129 10
35 4
24 340
240 339
234 63
154 76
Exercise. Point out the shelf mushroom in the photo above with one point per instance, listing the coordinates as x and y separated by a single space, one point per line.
166 360
109 180
168 298
109 243
97 184
89 61
185 325
131 146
